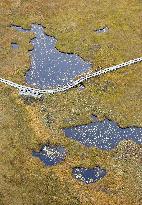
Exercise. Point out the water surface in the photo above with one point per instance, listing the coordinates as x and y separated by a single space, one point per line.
14 45
50 154
88 175
104 134
50 67
102 30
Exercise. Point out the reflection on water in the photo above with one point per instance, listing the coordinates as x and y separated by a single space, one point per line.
103 135
50 67
50 154
88 175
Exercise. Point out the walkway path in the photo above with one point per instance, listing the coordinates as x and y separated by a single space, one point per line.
37 93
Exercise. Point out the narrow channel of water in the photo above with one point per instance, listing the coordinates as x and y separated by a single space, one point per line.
88 175
50 67
50 154
103 135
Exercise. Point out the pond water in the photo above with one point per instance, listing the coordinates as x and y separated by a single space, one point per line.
50 67
88 175
104 134
14 45
102 30
50 154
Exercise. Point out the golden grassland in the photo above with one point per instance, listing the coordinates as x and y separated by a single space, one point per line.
117 96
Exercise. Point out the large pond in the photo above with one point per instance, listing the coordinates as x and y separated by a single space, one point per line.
104 134
50 67
50 154
88 175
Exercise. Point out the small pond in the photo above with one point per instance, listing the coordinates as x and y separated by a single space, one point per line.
50 67
14 45
88 175
102 30
50 154
104 134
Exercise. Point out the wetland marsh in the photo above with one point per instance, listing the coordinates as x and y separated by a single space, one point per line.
24 127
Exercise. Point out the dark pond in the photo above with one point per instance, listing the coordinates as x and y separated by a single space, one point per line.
103 135
50 154
50 67
102 30
14 45
88 175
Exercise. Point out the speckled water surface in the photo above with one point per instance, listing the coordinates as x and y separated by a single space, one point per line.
50 67
104 134
50 154
88 175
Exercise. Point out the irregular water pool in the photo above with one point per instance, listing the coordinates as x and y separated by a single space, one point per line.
88 175
103 135
50 67
50 154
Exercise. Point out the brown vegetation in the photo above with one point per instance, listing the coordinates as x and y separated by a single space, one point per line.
24 180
